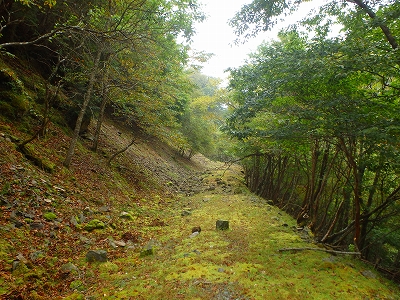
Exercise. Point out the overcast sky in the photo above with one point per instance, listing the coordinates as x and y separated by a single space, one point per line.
215 36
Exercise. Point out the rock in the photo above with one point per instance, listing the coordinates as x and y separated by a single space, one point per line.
222 225
126 215
221 270
28 215
16 222
20 257
186 213
15 214
16 264
120 243
94 224
149 249
104 209
36 226
4 202
69 268
368 274
331 259
36 255
74 221
85 240
112 244
19 268
81 218
88 210
96 256
197 228
194 234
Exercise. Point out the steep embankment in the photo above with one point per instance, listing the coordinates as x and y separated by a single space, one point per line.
140 214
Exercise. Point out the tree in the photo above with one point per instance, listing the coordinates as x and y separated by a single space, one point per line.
138 33
322 129
334 97
262 15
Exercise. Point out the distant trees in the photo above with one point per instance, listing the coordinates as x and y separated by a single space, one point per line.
318 120
203 117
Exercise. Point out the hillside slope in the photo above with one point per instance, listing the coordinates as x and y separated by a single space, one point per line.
43 214
141 211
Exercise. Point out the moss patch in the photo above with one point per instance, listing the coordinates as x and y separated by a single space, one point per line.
49 216
94 224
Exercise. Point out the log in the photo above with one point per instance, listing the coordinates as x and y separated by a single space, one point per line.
319 249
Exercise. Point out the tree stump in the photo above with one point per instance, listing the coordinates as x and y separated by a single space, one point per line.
222 225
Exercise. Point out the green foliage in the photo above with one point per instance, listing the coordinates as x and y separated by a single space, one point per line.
318 121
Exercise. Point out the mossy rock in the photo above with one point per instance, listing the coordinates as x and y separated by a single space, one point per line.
20 269
94 224
49 216
126 215
147 252
30 153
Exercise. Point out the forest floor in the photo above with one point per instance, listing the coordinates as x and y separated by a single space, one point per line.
138 216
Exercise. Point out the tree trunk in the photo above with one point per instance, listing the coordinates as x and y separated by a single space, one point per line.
85 103
356 190
365 222
50 96
102 106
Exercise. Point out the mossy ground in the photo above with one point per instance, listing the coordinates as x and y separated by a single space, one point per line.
240 263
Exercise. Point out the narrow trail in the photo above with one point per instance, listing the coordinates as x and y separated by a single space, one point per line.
240 263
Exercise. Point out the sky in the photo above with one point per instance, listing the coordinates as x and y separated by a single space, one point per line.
214 35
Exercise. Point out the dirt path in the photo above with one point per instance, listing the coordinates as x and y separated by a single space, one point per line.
240 263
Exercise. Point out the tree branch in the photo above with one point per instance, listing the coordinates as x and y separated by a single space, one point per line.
318 249
386 31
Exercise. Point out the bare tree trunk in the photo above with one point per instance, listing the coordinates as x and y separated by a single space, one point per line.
85 103
335 219
102 106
